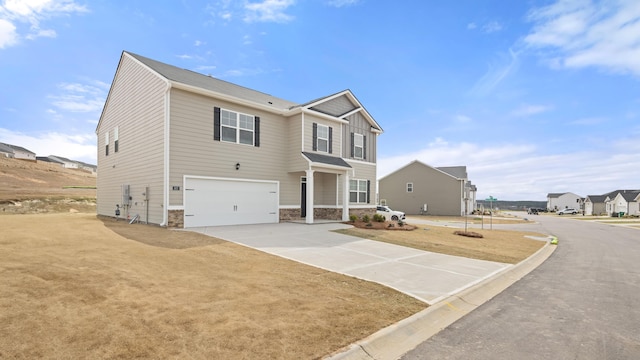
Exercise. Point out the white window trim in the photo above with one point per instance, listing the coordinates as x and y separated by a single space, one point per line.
238 128
356 147
410 187
318 138
115 139
358 191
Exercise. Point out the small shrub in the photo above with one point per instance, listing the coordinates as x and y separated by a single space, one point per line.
369 225
391 225
400 223
366 218
353 218
378 218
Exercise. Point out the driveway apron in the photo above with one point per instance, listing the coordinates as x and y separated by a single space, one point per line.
427 276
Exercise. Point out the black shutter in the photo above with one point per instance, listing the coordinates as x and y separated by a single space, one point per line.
330 140
368 191
315 137
353 145
257 131
216 123
364 147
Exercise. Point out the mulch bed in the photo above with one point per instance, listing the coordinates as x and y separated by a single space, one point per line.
386 225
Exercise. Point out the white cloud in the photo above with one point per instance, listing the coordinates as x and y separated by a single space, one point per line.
76 97
497 72
471 26
33 12
589 121
77 146
526 172
492 26
462 119
528 110
341 3
8 35
268 11
582 33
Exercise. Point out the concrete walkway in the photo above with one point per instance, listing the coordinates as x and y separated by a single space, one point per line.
427 276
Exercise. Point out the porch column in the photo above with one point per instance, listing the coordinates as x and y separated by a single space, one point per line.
310 188
345 197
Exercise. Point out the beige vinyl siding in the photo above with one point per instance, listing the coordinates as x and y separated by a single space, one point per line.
364 171
336 107
359 125
441 192
139 116
294 144
194 152
308 134
325 189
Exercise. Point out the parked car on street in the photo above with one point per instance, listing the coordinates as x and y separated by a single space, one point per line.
390 214
566 211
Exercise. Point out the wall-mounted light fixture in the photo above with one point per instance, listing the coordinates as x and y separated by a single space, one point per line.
237 166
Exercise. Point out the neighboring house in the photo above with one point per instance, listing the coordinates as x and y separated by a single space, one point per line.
17 152
595 205
417 187
559 201
49 160
182 149
623 201
6 150
66 163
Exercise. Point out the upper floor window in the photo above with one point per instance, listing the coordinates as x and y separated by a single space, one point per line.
236 127
322 138
409 187
115 140
358 146
106 143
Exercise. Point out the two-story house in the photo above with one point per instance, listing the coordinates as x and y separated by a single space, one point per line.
182 149
418 188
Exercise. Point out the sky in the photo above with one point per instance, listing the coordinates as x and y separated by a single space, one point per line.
533 97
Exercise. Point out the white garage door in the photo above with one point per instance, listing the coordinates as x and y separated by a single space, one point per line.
215 202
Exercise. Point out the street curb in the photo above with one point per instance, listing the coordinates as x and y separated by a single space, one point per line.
397 339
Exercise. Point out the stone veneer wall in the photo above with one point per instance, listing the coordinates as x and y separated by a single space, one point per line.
176 219
289 214
327 214
361 212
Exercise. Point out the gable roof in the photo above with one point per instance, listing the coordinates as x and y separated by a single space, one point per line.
423 164
555 195
596 198
17 148
195 82
202 81
457 171
6 148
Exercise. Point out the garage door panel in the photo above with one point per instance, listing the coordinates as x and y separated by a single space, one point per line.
215 202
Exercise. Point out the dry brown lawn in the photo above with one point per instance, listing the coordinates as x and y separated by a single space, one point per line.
75 286
496 245
499 218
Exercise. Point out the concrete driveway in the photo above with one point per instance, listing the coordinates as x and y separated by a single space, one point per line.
427 276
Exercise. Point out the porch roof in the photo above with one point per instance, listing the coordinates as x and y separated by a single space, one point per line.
326 159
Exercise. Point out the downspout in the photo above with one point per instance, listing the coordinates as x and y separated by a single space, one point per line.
165 186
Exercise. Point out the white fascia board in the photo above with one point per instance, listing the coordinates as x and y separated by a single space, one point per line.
232 99
324 116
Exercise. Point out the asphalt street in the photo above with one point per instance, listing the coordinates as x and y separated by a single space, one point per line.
582 303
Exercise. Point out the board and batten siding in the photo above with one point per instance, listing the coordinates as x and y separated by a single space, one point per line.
136 106
359 125
195 152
